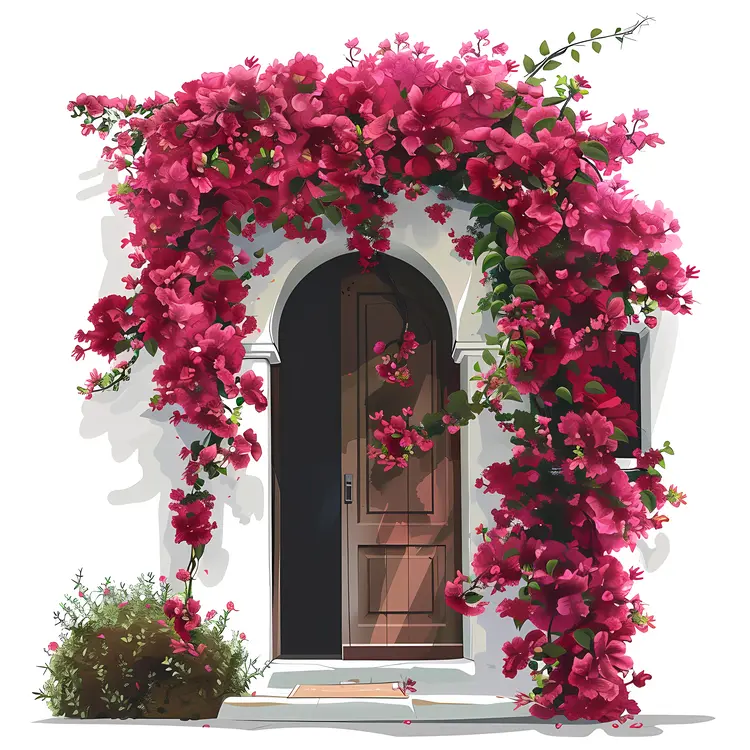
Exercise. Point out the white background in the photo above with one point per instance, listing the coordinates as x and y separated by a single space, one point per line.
686 69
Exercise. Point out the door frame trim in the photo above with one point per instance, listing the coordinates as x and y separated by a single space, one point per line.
465 352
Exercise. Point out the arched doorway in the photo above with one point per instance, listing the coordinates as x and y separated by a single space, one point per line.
361 555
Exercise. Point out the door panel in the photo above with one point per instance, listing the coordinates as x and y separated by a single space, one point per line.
400 533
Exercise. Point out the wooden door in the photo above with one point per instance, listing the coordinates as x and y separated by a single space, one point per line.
400 533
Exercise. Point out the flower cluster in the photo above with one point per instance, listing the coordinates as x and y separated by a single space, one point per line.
570 259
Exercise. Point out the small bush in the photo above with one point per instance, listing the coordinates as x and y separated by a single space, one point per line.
119 657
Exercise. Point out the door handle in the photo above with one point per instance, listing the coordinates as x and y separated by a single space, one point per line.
347 489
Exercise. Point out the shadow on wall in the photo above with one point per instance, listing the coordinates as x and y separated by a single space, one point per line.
132 427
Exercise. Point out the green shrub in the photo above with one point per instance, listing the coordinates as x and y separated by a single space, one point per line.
119 657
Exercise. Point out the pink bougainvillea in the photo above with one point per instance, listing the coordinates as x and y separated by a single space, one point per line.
570 258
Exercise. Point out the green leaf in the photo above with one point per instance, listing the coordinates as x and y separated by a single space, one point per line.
122 345
619 435
571 37
595 32
564 394
516 127
550 100
296 184
496 306
472 597
298 222
503 113
551 565
280 221
506 88
528 64
553 649
583 637
570 116
514 261
137 143
596 46
488 358
648 499
506 221
594 386
525 292
519 275
482 245
482 209
583 178
265 109
447 144
221 166
594 150
575 54
179 131
316 206
534 665
224 273
490 261
544 48
333 214
512 394
547 122
151 346
331 193
552 64
233 225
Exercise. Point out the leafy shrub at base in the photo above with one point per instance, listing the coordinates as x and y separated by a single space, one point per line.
119 657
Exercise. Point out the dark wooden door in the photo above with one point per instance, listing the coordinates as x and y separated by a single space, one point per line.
400 533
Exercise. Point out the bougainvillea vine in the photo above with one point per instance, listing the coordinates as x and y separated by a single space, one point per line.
570 259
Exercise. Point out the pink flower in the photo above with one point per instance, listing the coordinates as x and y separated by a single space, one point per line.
639 679
379 347
182 575
520 650
250 390
455 600
210 614
162 579
230 607
242 636
184 615
52 646
438 212
207 668
242 448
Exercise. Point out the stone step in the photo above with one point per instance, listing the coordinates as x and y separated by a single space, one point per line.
275 705
434 676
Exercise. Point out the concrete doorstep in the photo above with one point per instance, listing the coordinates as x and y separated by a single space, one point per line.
274 704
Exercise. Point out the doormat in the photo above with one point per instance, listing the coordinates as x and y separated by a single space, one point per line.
352 690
